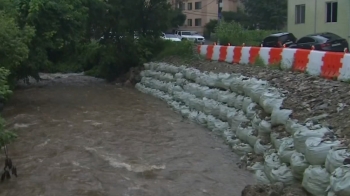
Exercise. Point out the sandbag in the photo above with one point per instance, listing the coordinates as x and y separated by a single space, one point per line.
256 166
246 135
231 99
185 111
317 149
303 134
223 112
335 158
193 116
255 89
202 118
223 96
280 116
340 181
251 111
270 101
261 178
276 141
237 120
237 84
282 174
232 140
316 180
211 93
211 122
260 148
242 149
298 164
246 102
256 121
220 127
264 128
286 150
238 102
271 161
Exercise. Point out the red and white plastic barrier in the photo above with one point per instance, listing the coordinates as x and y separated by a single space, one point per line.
331 65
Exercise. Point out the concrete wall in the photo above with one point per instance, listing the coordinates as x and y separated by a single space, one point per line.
315 18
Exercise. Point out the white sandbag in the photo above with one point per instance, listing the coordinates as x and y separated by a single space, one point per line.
336 157
340 181
230 114
226 82
282 174
211 122
246 135
246 102
256 90
181 81
316 180
196 104
271 161
270 101
211 107
280 116
224 109
223 96
256 166
292 126
261 148
193 116
185 111
317 149
228 133
242 149
237 120
202 118
303 134
286 150
232 140
146 65
261 178
237 84
276 140
256 121
231 98
179 75
251 111
298 164
264 128
238 102
211 93
220 127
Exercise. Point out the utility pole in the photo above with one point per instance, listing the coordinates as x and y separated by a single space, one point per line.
219 15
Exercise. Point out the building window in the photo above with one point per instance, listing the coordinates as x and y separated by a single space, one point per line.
332 12
197 22
182 6
189 6
189 22
300 14
198 5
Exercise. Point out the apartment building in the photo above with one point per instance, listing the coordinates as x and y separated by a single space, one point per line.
200 12
313 16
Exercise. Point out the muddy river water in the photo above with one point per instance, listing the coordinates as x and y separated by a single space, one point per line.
81 136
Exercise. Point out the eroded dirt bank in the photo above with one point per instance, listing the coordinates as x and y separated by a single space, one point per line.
81 136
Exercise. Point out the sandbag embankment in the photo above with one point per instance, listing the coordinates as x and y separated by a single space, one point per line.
248 114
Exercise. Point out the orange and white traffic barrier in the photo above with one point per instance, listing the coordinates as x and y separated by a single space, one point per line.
319 63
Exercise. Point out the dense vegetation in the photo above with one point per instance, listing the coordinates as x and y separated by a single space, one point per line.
65 36
250 24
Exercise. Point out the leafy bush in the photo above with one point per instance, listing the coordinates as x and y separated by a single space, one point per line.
235 34
182 49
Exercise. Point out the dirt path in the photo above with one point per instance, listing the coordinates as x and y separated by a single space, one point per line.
80 136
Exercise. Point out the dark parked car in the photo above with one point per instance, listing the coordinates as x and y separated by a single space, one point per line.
277 40
322 41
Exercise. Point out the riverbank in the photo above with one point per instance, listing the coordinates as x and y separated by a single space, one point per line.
308 96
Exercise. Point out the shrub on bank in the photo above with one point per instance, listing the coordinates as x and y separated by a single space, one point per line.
236 35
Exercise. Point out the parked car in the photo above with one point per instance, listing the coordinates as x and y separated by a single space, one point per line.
191 36
322 41
277 40
170 37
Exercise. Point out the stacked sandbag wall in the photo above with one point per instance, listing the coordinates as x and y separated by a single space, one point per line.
247 114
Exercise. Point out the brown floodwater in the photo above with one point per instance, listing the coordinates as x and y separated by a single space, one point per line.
81 136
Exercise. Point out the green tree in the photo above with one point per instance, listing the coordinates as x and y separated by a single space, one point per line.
267 14
239 16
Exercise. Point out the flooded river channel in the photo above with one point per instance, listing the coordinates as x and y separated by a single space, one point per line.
79 136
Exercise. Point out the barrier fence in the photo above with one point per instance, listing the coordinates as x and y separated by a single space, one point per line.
331 65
